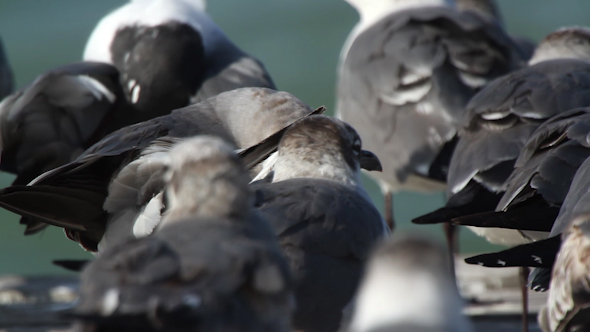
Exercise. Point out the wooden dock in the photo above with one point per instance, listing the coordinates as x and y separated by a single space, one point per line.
492 296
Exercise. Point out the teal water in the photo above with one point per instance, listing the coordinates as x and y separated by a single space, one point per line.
298 40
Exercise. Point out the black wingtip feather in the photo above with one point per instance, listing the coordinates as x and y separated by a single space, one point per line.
439 216
536 254
527 218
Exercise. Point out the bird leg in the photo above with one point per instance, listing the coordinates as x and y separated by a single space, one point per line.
451 234
524 276
388 196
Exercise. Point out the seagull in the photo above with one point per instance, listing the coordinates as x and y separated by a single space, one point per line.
541 179
6 77
142 61
171 54
407 286
502 117
213 265
114 189
538 189
573 205
323 217
59 115
407 71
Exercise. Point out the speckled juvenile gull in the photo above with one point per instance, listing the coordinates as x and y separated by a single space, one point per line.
407 286
170 54
322 215
115 186
213 265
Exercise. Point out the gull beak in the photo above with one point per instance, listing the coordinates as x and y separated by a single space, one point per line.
370 162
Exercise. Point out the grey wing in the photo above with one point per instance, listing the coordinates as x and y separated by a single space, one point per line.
537 92
549 160
487 157
321 217
50 122
6 77
503 115
243 72
326 231
125 144
391 93
250 125
577 201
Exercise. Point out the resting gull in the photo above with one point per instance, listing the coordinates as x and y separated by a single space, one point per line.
114 189
322 215
213 265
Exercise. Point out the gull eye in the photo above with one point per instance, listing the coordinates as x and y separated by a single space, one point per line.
356 147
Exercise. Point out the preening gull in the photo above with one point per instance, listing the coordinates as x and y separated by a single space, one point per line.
170 54
407 71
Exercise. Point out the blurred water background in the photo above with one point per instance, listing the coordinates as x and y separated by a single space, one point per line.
299 41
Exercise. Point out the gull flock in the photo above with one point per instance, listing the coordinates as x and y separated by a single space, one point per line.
212 201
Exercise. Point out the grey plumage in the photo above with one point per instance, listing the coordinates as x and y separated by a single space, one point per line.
405 81
574 207
120 177
500 120
486 8
170 53
407 286
164 55
504 114
489 9
59 115
324 219
6 77
539 185
214 264
549 160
